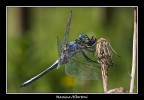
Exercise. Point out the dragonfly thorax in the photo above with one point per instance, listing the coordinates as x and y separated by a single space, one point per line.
69 50
72 48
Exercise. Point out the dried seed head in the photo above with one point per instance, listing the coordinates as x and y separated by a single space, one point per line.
104 52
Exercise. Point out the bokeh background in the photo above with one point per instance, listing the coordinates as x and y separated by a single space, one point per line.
32 46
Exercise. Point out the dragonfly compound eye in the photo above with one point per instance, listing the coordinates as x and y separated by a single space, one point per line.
83 38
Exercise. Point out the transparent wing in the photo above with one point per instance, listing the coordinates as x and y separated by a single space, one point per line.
80 68
65 39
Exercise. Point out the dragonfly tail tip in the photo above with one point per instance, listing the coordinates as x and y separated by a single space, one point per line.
23 85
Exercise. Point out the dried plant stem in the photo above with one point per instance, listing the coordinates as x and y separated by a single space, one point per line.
134 53
104 77
104 55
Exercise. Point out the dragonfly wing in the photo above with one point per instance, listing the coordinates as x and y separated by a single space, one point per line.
80 68
65 39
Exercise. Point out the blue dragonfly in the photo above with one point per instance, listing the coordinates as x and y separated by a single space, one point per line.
74 56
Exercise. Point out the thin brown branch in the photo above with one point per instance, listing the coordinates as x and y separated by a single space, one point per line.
104 77
104 54
134 62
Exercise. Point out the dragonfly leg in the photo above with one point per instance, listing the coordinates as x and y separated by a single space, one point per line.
90 50
87 58
90 46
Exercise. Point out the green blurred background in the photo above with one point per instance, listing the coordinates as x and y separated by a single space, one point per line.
32 47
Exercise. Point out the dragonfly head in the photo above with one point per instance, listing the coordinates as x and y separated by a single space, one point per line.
86 40
83 38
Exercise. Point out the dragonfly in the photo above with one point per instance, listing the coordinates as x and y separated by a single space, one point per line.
74 56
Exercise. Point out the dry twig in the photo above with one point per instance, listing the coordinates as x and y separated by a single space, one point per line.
134 62
104 53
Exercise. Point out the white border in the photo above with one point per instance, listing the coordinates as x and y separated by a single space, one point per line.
73 7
